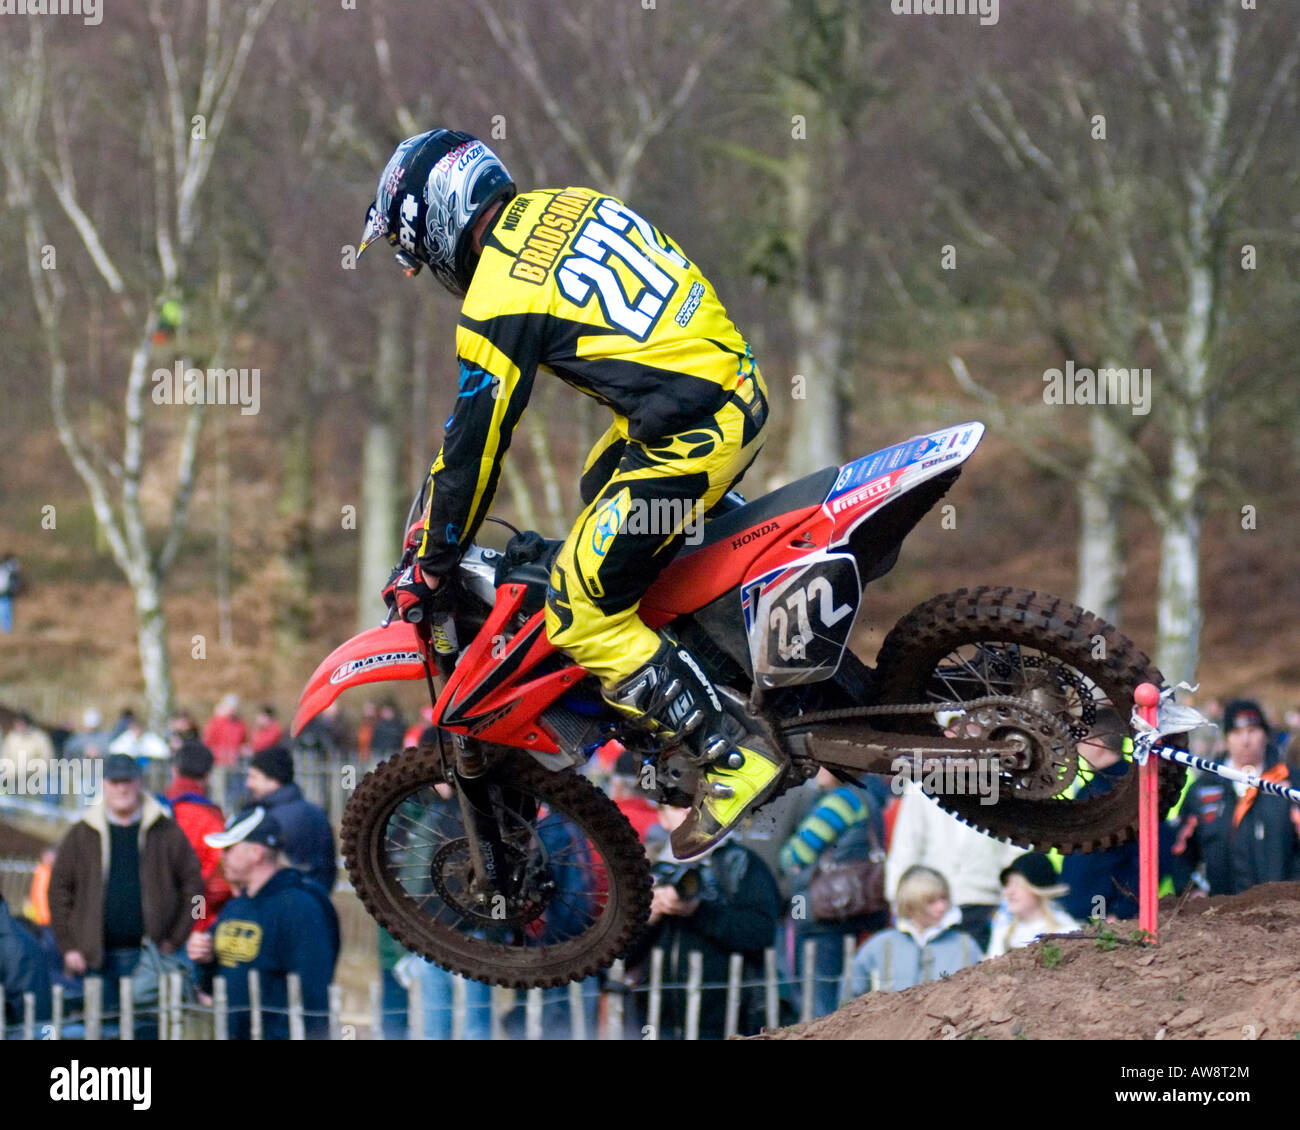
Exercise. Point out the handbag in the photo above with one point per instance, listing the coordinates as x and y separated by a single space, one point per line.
841 890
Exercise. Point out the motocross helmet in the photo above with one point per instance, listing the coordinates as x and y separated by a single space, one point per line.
433 190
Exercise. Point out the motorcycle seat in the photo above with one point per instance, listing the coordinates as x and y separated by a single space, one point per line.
802 494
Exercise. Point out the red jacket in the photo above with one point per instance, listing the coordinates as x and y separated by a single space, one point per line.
197 817
224 736
264 737
640 813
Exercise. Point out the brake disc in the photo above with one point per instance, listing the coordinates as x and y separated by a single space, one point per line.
503 908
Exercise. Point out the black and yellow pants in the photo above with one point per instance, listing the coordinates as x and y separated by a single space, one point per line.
643 502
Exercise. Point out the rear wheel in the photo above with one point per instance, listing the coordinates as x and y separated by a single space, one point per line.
573 887
1059 660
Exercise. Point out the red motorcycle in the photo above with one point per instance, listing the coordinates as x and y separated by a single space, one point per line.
490 854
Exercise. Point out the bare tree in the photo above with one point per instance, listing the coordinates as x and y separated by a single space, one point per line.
1140 180
182 131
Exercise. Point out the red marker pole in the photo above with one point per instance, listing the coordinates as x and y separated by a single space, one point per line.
1147 697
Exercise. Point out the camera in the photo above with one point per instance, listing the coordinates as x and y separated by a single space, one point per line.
689 880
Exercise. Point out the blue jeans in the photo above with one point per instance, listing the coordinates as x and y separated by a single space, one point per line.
436 1005
6 613
119 963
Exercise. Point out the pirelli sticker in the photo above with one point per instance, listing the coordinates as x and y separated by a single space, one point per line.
546 239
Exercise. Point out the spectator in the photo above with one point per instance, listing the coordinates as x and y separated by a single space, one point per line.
401 969
198 817
429 819
225 734
1029 885
22 969
308 840
1240 836
924 833
27 748
1104 884
925 944
843 826
11 584
768 831
1287 745
92 740
135 741
366 730
181 728
389 729
416 730
641 812
37 907
124 720
721 903
124 874
267 731
281 922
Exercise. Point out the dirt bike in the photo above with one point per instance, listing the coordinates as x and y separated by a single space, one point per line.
490 854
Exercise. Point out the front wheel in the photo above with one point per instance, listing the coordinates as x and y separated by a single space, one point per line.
1056 658
572 890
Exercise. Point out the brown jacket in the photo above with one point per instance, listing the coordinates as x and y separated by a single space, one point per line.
169 882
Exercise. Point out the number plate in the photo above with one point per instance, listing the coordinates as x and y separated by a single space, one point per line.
799 618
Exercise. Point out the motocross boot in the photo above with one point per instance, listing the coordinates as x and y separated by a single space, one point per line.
737 771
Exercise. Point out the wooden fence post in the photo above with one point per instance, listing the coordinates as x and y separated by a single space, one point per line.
56 1013
533 1014
614 1011
735 972
694 996
459 1006
176 994
654 1007
297 1026
125 1009
772 999
377 1010
808 1001
577 1011
220 1009
93 1007
336 1011
415 1009
254 1004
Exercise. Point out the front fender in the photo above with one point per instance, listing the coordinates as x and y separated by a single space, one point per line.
375 656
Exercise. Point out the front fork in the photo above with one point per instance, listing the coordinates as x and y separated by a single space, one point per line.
481 827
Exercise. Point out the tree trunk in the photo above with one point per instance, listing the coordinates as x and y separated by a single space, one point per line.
378 519
1101 540
1178 608
816 399
1178 601
293 605
151 634
225 632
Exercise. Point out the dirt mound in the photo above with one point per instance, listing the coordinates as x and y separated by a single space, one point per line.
1225 968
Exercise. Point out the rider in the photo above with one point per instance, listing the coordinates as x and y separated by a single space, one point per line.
575 281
